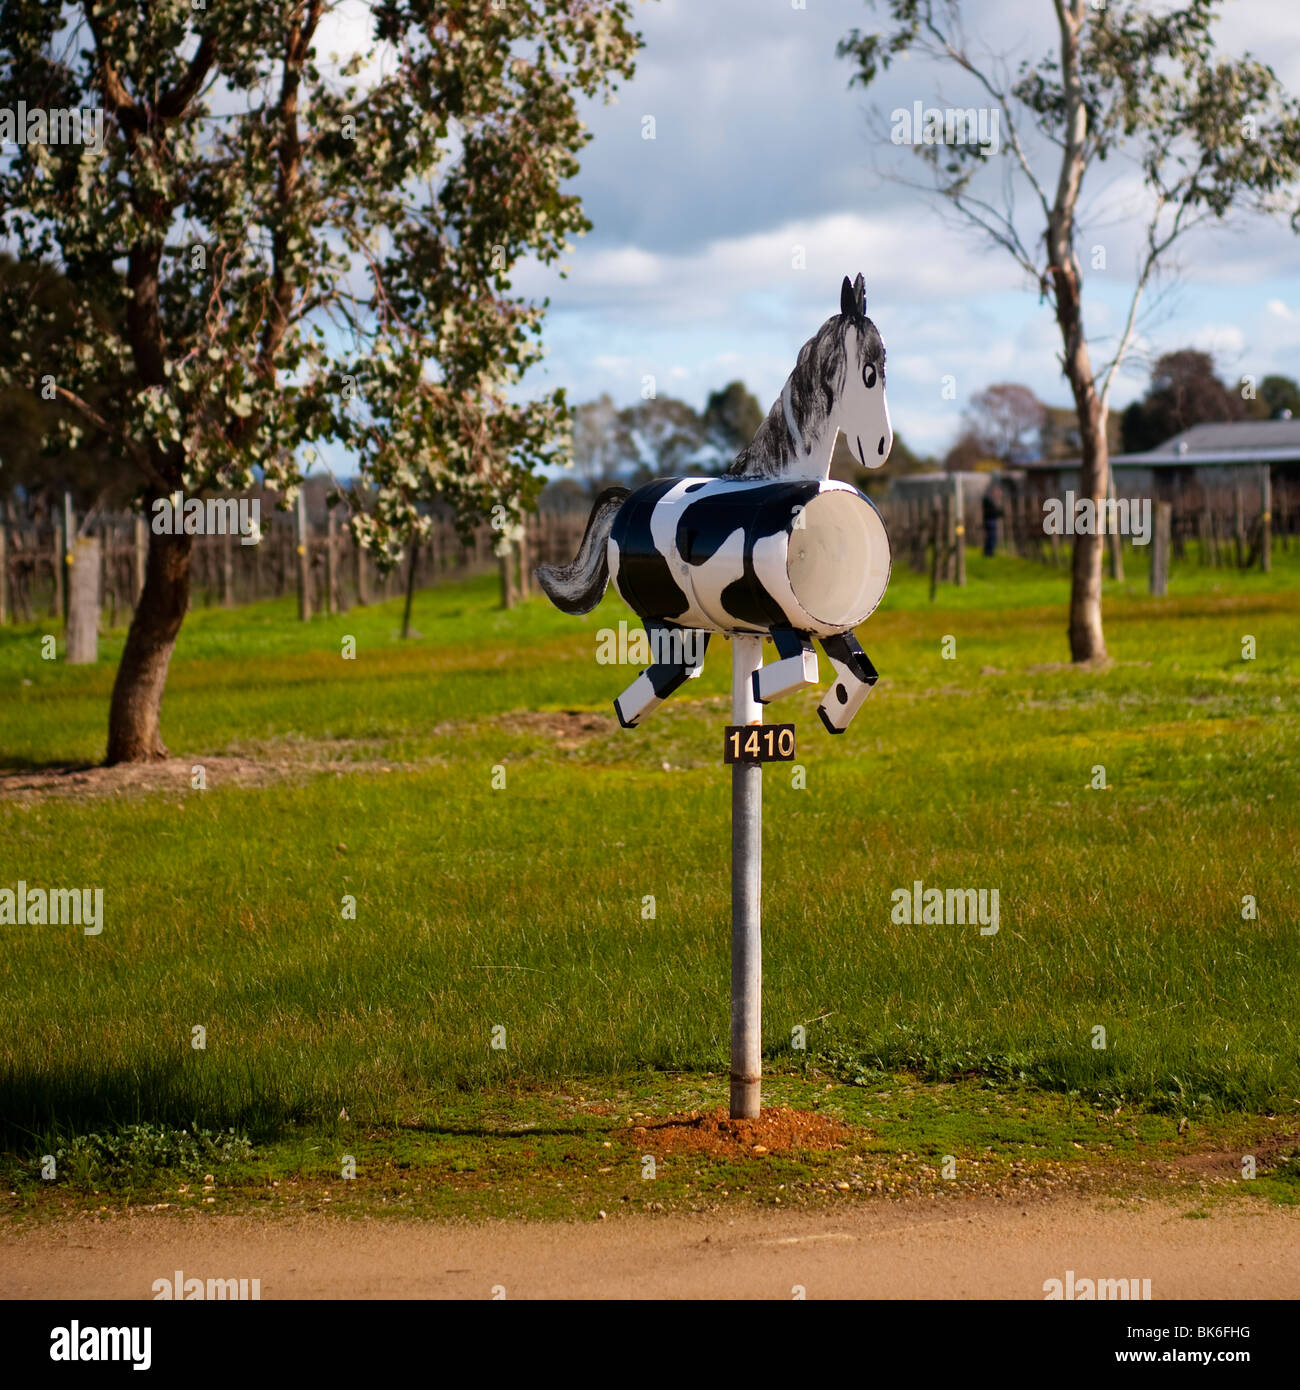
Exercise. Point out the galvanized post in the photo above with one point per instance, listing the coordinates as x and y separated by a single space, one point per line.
746 891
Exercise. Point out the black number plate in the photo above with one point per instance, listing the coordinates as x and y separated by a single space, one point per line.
758 743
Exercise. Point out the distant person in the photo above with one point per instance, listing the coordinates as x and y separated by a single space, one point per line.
993 512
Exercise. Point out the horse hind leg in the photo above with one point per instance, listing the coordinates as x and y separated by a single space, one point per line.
854 677
658 681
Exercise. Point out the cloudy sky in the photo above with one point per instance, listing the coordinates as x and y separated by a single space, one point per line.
761 148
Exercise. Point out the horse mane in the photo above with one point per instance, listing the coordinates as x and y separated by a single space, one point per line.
814 386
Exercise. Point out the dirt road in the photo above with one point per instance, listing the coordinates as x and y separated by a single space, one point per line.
987 1249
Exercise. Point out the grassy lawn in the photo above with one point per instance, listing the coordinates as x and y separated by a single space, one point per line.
522 908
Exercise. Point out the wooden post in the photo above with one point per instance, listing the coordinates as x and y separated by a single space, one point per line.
57 609
227 571
746 891
304 560
331 563
360 574
959 531
1238 523
69 539
506 562
107 588
140 536
1265 522
83 603
1160 544
934 536
410 585
524 567
1113 538
950 540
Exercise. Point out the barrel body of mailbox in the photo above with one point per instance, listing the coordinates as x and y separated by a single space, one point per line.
750 555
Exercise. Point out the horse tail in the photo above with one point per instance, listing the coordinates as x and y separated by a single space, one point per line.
579 587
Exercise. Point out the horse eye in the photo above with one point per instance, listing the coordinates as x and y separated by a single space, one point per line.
869 376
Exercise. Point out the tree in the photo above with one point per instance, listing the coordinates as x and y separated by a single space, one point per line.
601 443
967 453
1210 135
1005 419
30 420
289 251
732 417
1279 394
1184 391
667 437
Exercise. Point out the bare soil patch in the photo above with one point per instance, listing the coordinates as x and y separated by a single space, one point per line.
289 762
89 781
1227 1163
566 729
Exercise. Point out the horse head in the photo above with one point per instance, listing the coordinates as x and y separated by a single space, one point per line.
861 411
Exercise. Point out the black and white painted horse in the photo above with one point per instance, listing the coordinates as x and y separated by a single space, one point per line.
773 546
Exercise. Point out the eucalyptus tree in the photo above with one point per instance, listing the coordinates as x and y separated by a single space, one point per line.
295 235
1209 135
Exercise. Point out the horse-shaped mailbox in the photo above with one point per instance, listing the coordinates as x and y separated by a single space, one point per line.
772 547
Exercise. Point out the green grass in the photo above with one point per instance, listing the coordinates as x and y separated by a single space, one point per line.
523 907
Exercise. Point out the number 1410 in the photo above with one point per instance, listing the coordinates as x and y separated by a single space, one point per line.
759 743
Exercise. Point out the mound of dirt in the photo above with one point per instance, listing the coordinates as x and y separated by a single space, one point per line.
777 1131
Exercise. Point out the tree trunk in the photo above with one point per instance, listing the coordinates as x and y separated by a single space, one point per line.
1086 640
134 718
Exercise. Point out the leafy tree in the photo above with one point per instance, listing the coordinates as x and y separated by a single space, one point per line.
31 460
1280 393
1211 135
666 436
1004 419
967 453
602 444
273 250
1184 391
732 417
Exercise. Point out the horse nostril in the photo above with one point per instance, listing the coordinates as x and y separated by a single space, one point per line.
880 448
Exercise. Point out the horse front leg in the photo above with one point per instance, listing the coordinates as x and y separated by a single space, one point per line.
854 677
794 669
679 657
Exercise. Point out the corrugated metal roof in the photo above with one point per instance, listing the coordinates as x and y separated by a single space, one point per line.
1233 436
1238 442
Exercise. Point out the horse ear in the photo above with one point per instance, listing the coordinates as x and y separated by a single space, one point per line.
860 295
848 300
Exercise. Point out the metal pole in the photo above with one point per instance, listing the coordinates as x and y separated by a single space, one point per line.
746 891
